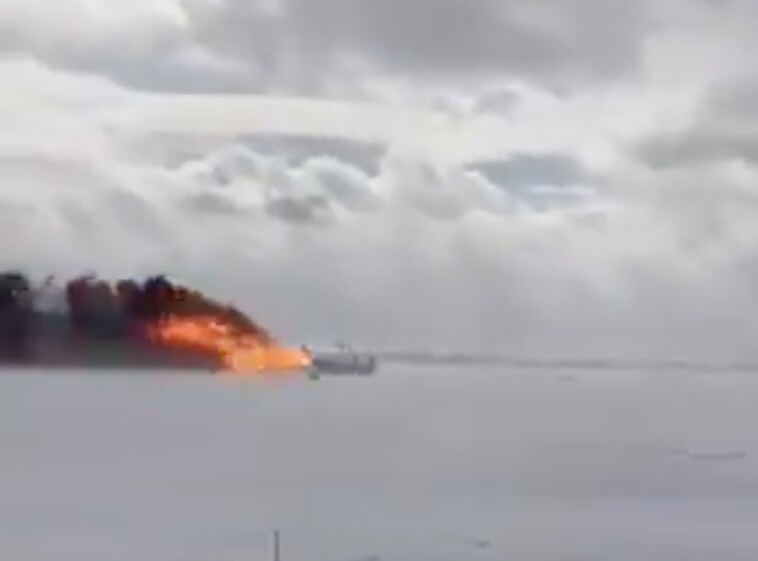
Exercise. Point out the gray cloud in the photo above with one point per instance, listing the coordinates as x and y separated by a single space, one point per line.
552 42
458 37
701 145
304 45
724 128
298 149
213 203
310 209
147 45
500 100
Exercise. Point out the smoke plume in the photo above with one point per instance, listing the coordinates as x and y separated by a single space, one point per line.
149 313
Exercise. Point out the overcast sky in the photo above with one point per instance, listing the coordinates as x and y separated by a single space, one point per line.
539 177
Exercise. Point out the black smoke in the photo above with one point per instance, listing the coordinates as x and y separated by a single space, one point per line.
96 309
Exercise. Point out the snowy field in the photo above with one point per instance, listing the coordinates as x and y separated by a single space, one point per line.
414 464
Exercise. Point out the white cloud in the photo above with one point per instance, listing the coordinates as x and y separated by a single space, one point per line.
82 29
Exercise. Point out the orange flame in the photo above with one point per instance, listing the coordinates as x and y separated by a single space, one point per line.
238 352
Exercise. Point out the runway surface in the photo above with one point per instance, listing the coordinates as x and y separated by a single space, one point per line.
416 463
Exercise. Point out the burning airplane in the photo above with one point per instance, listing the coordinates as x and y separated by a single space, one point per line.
92 323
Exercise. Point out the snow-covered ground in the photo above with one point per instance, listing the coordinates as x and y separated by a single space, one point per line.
413 464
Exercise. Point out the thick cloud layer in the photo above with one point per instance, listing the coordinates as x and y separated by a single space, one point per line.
508 219
315 44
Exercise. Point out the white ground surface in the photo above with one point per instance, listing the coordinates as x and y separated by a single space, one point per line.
414 464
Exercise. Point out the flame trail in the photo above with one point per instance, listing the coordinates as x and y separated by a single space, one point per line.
182 318
237 352
160 314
